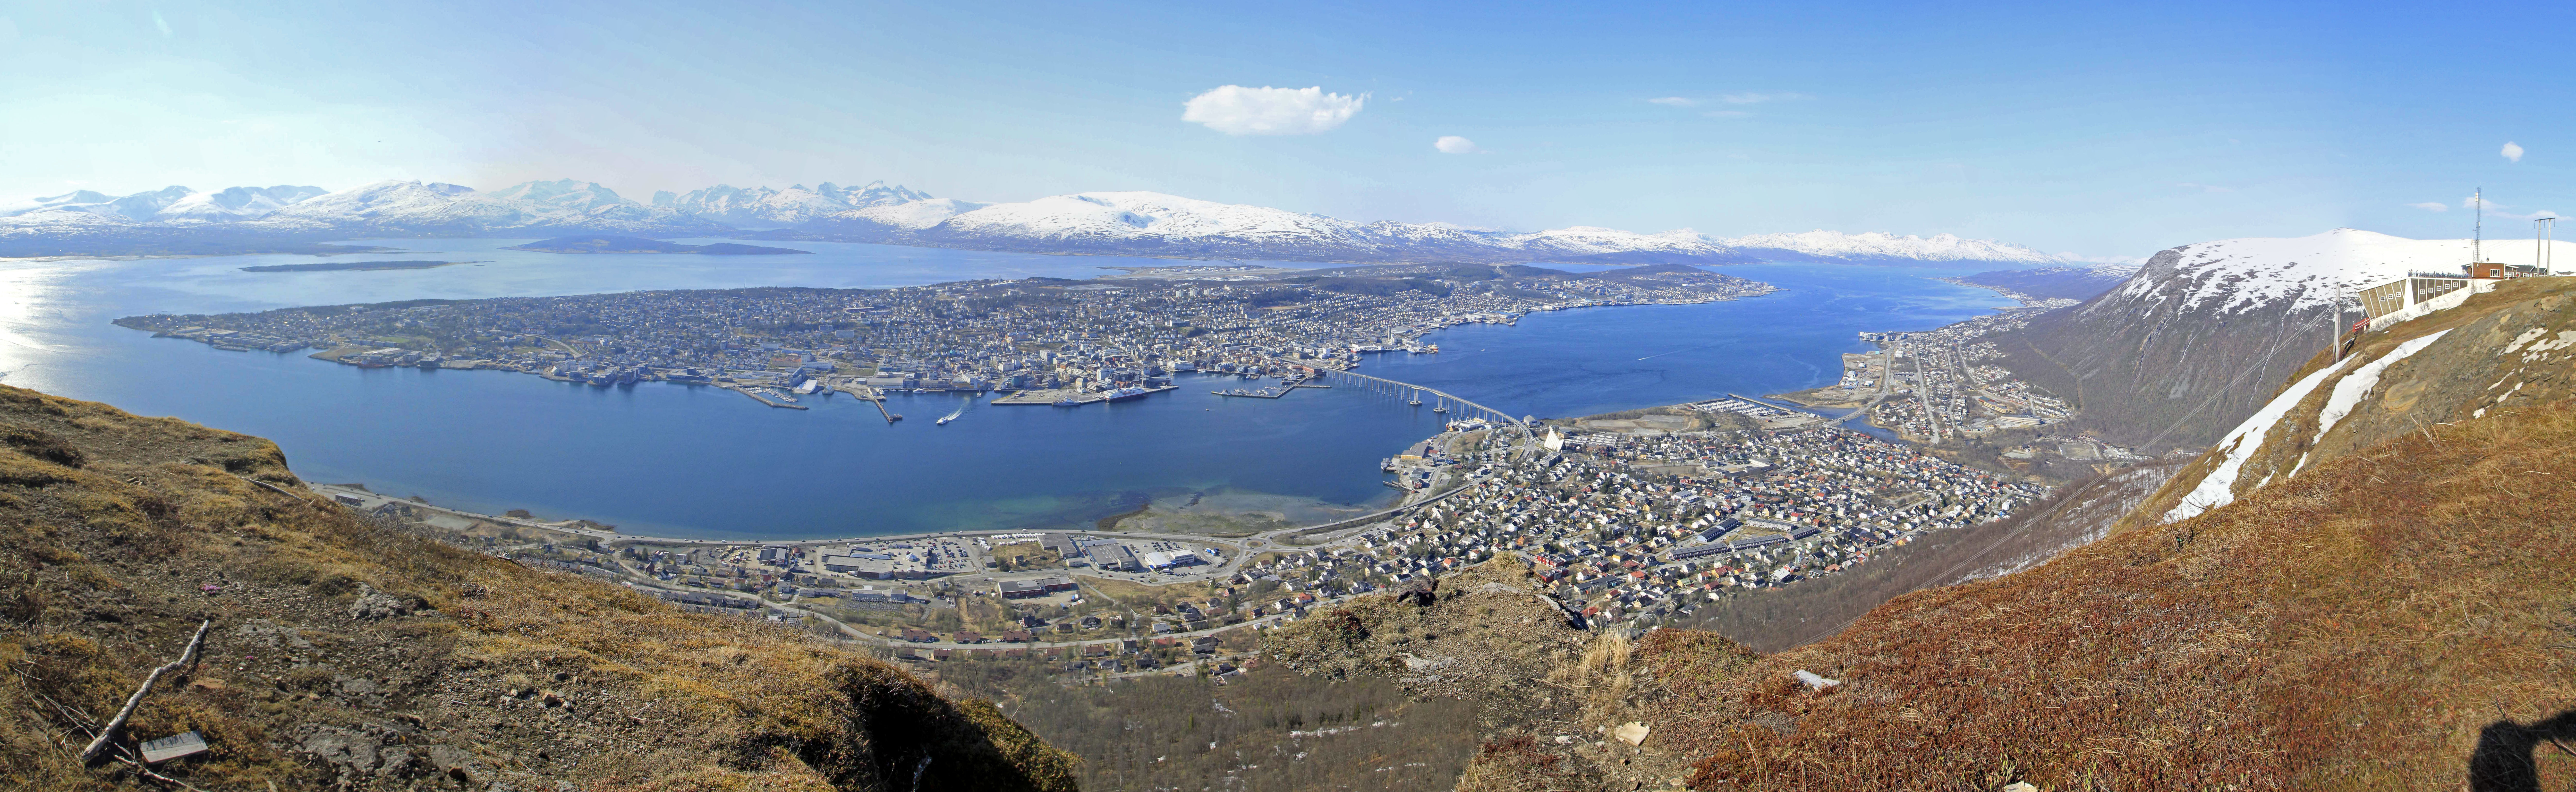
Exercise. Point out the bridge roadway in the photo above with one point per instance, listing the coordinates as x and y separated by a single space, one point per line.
1496 414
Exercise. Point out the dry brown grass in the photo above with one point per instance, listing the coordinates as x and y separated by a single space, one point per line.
107 551
2356 627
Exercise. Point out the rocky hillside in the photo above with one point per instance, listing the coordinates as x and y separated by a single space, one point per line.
2364 587
2206 332
2502 352
341 654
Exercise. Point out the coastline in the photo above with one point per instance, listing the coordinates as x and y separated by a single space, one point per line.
2026 301
451 493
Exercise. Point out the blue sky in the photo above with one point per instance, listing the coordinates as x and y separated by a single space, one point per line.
2107 131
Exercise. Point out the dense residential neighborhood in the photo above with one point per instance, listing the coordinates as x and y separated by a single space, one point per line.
1038 333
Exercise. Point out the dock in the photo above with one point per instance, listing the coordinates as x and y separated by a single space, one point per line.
1050 396
1046 397
1272 391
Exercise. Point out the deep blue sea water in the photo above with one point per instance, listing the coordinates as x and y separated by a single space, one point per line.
673 460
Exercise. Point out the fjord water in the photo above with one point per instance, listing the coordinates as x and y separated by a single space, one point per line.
679 461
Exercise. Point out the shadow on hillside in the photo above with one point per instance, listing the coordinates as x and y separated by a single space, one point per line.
2503 761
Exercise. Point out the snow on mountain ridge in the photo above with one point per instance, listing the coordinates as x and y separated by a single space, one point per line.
168 204
2238 275
236 203
1149 219
1093 222
1881 245
796 205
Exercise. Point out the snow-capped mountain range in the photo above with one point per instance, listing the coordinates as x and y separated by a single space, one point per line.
2233 276
1874 246
171 204
1120 223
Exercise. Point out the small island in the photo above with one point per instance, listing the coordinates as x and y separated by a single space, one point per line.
627 244
356 266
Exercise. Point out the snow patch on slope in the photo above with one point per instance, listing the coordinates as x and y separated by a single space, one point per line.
2218 488
2350 390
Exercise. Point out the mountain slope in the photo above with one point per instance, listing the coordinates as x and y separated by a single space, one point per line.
2199 338
2382 602
2373 624
2502 351
346 655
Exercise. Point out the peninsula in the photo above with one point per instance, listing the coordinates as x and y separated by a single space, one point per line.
356 266
628 244
1089 337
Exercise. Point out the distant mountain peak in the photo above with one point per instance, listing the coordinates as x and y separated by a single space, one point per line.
1123 222
1882 246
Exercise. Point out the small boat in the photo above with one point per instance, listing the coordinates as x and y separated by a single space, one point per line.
1440 409
1068 402
943 420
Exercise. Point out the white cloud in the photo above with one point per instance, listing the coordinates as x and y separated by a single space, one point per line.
1236 110
2512 151
2432 206
2498 210
1758 98
1453 144
1674 101
163 24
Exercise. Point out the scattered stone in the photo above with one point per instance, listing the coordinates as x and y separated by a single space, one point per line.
1632 732
1421 593
373 604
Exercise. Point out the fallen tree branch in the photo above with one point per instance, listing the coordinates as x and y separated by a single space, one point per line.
115 726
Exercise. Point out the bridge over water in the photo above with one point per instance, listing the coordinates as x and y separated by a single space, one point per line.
1440 398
